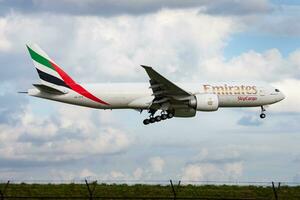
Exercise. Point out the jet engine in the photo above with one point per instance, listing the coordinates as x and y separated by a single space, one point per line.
205 102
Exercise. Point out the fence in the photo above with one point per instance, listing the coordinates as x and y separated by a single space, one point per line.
210 190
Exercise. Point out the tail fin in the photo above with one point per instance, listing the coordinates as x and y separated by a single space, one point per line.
45 67
53 76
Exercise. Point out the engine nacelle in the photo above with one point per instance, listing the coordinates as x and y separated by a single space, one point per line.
205 102
185 112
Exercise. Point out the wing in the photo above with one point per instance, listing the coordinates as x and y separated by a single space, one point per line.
165 92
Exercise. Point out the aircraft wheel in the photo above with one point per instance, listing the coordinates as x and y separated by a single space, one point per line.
170 115
164 116
152 120
146 121
157 118
262 115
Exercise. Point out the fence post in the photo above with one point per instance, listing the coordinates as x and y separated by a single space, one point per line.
2 192
91 191
173 188
275 191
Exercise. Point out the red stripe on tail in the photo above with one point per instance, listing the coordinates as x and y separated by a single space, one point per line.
74 86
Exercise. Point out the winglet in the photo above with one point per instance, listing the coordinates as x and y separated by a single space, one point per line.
145 66
148 69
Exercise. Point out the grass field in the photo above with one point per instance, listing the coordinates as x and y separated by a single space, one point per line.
122 191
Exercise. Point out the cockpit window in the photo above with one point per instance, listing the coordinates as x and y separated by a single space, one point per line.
276 90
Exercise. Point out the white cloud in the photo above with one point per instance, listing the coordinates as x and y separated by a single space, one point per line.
138 173
157 164
121 43
212 172
199 172
110 141
234 170
268 66
290 88
203 153
57 174
294 59
60 136
217 164
69 175
86 173
5 44
247 66
107 118
115 47
117 175
218 154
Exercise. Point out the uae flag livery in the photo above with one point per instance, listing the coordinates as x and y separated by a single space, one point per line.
50 72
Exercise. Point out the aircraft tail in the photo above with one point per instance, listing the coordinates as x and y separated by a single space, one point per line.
47 70
54 79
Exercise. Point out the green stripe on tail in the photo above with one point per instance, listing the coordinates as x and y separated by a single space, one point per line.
40 59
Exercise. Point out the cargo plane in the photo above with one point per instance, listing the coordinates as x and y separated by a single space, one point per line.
162 98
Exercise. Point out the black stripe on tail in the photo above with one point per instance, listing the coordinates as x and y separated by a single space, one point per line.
51 79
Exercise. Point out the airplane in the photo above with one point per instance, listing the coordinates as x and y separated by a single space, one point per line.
160 95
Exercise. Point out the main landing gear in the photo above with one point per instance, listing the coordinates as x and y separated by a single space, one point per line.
262 115
164 115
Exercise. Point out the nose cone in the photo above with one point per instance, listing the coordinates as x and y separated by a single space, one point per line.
281 96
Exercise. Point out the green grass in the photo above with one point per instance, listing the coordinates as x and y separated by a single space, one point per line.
123 190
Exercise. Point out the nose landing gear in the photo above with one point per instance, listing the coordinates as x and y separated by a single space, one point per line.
262 115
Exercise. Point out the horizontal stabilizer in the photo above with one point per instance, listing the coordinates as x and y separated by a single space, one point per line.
47 89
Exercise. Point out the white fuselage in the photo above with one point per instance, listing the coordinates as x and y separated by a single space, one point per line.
139 95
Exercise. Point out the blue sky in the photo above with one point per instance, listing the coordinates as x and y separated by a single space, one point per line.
243 42
184 40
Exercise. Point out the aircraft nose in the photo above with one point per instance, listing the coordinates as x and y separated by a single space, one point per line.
282 96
